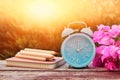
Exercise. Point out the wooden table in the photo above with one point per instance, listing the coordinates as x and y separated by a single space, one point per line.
63 72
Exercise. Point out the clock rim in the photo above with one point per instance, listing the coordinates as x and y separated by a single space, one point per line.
91 58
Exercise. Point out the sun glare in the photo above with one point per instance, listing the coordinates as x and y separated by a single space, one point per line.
41 10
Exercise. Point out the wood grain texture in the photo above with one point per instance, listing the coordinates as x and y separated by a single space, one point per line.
63 72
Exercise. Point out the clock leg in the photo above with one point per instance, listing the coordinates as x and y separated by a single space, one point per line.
71 67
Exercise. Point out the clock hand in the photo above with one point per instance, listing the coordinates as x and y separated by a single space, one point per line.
79 49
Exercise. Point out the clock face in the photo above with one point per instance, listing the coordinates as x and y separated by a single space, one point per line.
78 50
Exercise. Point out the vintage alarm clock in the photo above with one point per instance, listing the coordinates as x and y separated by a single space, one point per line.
78 48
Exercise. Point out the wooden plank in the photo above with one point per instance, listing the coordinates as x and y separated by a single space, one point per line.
34 75
63 72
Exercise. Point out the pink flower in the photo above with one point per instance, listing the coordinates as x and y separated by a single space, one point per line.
98 35
117 43
108 47
107 40
118 54
103 28
97 62
109 51
102 36
111 66
115 31
99 49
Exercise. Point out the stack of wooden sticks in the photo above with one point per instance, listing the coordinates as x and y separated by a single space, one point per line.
36 54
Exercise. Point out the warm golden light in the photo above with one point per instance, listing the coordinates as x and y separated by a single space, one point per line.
41 10
39 23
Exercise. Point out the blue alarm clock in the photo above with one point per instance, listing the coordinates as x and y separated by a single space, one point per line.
78 48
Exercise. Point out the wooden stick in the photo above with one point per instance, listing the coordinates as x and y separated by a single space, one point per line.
30 57
38 50
37 54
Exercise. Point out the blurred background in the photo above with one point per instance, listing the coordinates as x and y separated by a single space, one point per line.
39 23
